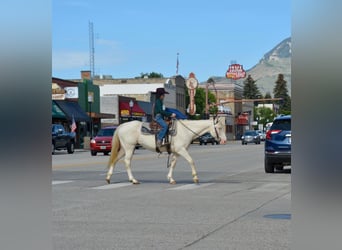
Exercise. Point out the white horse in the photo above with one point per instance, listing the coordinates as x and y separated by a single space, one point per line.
128 134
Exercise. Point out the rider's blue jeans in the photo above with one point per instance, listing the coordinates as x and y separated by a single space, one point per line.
162 132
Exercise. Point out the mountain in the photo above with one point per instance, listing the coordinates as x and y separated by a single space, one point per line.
276 61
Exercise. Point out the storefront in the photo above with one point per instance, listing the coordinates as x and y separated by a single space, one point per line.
130 110
63 112
241 122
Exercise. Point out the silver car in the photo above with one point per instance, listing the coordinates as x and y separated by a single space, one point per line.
250 136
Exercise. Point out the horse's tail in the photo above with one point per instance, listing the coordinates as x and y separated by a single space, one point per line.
115 149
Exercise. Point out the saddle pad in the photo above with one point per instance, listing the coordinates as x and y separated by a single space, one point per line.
145 129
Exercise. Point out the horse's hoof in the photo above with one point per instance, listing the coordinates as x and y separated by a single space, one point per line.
173 182
196 181
135 181
108 181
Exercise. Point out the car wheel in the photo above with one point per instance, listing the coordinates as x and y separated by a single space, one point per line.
200 143
269 168
205 143
53 148
279 167
105 153
93 153
71 148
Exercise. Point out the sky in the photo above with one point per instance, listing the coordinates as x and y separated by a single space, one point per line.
133 36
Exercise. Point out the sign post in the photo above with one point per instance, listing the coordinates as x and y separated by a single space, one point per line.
191 84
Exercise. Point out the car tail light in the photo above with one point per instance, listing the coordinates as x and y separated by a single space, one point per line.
269 132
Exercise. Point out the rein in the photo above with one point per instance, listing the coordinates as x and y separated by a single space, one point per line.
217 135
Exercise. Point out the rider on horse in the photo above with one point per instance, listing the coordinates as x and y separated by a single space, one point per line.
160 114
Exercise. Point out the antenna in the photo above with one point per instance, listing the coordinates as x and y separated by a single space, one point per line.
91 50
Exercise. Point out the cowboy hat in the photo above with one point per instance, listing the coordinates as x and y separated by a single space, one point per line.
161 91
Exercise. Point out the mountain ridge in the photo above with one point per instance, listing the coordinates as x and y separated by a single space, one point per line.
274 62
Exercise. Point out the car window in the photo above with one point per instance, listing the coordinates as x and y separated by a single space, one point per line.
106 132
282 124
250 133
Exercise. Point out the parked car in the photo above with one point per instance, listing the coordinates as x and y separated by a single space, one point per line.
262 135
250 136
62 140
278 144
102 142
207 138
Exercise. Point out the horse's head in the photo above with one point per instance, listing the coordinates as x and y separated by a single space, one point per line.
219 129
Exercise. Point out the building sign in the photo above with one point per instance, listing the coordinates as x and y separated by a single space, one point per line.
57 92
71 92
235 72
191 84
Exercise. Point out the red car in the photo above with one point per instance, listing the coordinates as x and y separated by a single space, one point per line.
103 141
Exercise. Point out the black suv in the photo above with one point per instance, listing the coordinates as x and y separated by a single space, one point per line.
207 138
278 144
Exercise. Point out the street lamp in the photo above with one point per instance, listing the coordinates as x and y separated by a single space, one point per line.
90 101
131 104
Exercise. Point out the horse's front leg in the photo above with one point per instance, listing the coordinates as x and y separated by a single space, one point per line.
128 159
187 157
172 167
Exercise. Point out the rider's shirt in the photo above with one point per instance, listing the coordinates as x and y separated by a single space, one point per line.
159 108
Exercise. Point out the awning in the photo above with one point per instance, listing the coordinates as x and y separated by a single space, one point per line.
125 110
72 109
242 120
146 106
179 115
57 112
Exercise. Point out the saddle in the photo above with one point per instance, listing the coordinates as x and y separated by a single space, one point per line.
153 128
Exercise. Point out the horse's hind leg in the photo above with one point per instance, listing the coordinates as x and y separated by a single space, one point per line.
172 167
112 164
128 159
187 157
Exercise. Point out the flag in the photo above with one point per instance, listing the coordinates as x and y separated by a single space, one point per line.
73 125
177 64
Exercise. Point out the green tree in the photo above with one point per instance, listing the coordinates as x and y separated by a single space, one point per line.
268 96
151 75
250 89
200 102
263 115
280 91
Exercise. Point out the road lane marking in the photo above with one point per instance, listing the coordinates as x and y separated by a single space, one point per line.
60 182
190 186
112 186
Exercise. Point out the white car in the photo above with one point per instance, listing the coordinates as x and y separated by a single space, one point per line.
262 135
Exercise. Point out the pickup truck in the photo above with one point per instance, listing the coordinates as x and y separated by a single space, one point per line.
62 140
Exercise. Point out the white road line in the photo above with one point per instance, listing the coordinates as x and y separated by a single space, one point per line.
190 186
60 182
112 186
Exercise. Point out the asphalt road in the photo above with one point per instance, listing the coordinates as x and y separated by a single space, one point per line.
235 205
